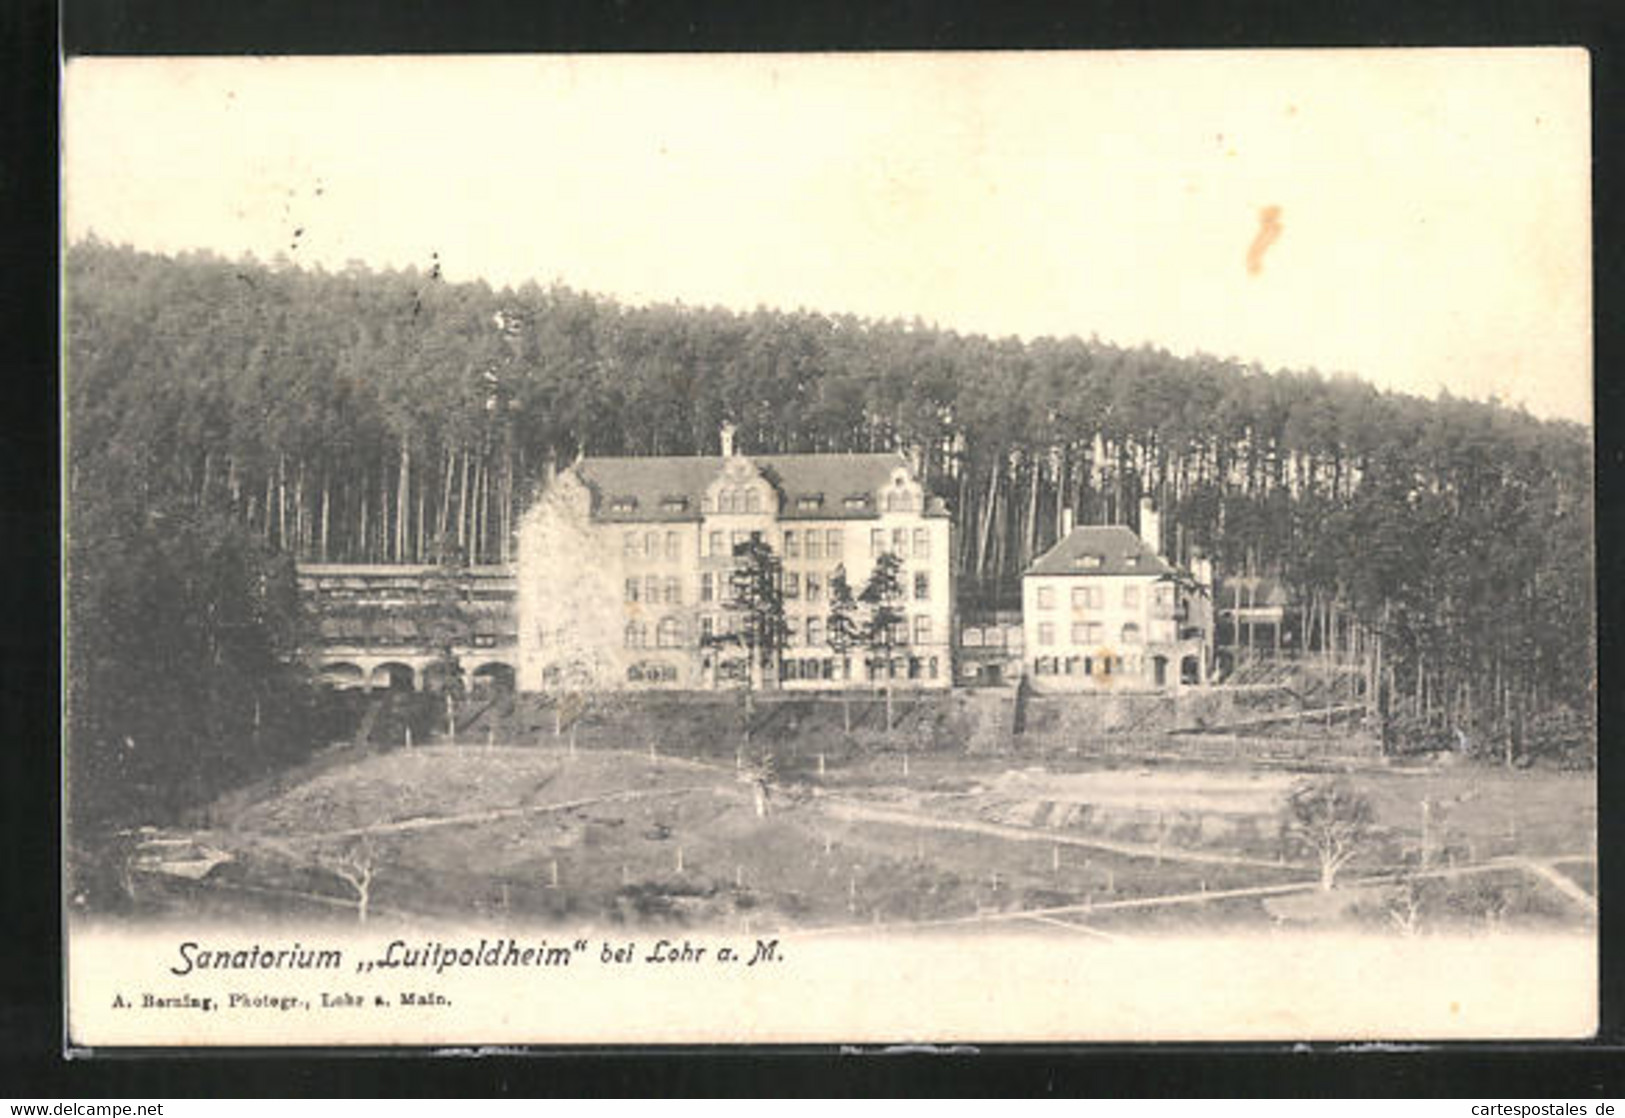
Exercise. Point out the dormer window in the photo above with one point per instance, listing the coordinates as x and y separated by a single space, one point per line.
857 501
674 504
811 502
1090 562
1131 561
624 504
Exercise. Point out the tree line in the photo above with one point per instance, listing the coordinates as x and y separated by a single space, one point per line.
365 416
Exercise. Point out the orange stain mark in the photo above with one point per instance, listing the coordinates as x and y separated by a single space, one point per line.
1269 231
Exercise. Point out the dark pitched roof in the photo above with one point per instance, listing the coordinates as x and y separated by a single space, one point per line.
1119 550
822 481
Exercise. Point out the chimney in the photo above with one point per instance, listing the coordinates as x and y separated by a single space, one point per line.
727 440
1066 523
1150 526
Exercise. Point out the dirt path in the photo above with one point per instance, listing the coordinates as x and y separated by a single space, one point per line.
852 810
1562 882
1054 914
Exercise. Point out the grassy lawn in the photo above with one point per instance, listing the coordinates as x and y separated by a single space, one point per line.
611 838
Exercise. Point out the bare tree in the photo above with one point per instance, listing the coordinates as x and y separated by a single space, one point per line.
355 865
1330 819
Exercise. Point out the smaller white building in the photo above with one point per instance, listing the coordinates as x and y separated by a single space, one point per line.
1102 609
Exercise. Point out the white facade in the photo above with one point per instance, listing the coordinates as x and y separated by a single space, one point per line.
624 564
1101 610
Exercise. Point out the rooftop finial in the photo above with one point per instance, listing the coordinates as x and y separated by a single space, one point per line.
727 439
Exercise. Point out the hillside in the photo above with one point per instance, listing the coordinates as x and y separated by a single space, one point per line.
227 416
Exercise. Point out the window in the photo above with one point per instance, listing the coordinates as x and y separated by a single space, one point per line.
629 545
635 634
792 545
790 669
674 504
899 633
674 591
815 588
634 674
1093 633
995 637
1080 633
971 638
931 668
1046 597
739 539
815 632
671 545
1088 597
1089 562
651 544
877 542
1131 597
810 502
922 630
708 628
669 634
899 542
651 589
1163 594
922 543
922 586
815 543
624 504
1073 664
718 544
857 501
1044 665
707 588
792 632
1046 634
632 586
792 584
899 500
1131 633
753 500
832 543
1131 561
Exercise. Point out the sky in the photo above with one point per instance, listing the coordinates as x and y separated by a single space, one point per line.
1420 219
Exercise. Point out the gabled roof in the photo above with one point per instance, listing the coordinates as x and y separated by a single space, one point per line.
1118 549
650 484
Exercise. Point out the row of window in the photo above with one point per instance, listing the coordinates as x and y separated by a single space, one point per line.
668 633
828 669
814 543
993 636
650 545
651 673
747 499
899 543
655 590
714 587
1094 597
825 669
1100 666
817 543
1088 632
